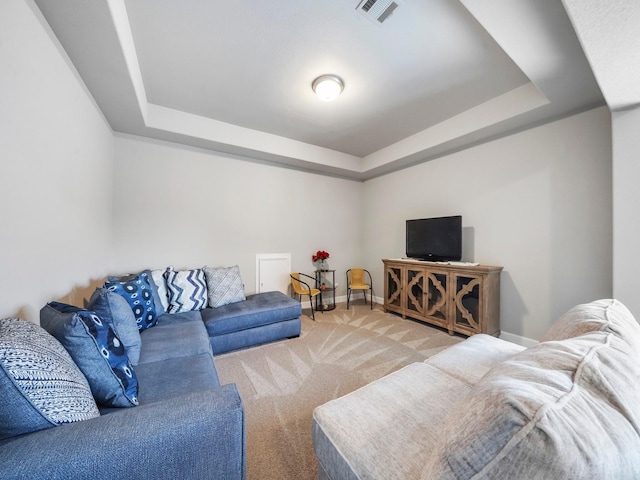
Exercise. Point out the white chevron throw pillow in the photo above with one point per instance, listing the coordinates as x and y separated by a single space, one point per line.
187 290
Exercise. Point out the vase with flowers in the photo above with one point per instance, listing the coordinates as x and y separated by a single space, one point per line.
321 256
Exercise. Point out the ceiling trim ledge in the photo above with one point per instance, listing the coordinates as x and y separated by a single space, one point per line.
226 134
516 102
462 130
121 23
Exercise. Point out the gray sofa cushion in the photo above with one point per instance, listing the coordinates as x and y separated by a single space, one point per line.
560 409
470 360
387 429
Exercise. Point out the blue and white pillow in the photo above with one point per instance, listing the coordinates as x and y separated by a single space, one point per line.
40 385
155 290
137 291
115 310
158 277
187 290
97 351
224 285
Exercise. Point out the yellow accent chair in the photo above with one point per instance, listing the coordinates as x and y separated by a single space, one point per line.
356 281
300 288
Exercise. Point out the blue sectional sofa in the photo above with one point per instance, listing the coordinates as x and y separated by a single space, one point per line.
184 423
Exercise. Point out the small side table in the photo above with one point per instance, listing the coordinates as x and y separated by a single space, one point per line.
326 283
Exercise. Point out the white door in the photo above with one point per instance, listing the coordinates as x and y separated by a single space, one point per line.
272 272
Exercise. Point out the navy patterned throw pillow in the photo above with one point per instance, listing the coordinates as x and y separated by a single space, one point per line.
115 310
97 351
137 291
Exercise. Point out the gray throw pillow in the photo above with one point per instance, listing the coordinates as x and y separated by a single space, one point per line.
40 385
224 285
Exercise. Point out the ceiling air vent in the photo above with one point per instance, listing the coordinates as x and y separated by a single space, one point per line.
378 10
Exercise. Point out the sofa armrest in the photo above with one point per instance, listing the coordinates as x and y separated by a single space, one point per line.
198 435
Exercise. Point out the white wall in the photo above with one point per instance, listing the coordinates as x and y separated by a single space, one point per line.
626 208
77 204
55 185
537 203
189 208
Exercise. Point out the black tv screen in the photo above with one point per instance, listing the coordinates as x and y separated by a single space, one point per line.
437 239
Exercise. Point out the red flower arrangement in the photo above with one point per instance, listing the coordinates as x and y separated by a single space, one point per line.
320 255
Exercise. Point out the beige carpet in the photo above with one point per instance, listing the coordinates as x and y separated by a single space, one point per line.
281 383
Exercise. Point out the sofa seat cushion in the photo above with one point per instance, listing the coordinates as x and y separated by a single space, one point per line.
174 338
174 377
388 428
468 361
184 317
560 409
227 342
257 310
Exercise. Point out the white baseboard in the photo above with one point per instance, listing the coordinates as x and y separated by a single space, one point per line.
518 340
343 298
509 337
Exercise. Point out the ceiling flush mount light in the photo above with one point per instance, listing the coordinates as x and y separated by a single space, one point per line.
328 87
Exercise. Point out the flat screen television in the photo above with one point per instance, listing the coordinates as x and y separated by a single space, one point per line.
437 239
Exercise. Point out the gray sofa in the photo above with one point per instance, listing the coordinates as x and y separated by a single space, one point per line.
182 423
568 407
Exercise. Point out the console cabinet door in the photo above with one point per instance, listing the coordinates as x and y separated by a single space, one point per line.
468 303
393 281
437 298
426 297
415 304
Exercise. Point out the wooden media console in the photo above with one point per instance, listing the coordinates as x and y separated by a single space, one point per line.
463 298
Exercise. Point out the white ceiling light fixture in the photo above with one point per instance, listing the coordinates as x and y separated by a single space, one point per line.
328 87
